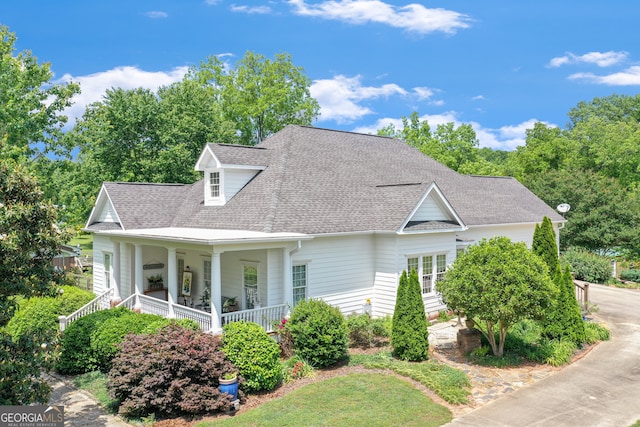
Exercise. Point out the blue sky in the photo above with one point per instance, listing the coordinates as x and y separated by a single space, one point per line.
497 65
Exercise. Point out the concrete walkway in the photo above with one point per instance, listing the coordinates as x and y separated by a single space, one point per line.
80 408
602 389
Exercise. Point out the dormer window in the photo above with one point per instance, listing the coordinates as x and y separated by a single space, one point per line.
214 184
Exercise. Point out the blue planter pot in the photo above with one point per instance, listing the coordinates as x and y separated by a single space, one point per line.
229 386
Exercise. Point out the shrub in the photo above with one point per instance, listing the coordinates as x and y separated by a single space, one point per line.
75 349
169 373
410 336
319 332
588 266
630 275
365 331
595 332
39 315
564 318
254 353
106 340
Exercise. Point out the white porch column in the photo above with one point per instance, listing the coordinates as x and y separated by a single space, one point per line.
286 277
139 273
216 291
172 281
117 275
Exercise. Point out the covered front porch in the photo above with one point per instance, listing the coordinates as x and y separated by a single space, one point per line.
210 276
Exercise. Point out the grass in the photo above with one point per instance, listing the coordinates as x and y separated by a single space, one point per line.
96 384
451 384
85 240
354 399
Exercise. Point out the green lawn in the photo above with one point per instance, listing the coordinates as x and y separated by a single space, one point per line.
85 241
355 399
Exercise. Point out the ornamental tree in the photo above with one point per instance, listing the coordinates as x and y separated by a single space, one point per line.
497 283
409 334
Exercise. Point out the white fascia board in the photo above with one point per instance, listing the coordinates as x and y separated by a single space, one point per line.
100 203
203 160
433 187
250 167
206 236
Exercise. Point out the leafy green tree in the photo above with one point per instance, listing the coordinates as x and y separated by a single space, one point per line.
544 244
409 334
546 148
497 283
613 108
604 216
456 147
261 96
29 239
30 104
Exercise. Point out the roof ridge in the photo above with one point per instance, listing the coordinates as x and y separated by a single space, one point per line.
275 196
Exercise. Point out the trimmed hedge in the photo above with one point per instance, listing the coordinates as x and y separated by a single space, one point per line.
630 275
588 266
75 345
39 315
92 341
319 333
254 353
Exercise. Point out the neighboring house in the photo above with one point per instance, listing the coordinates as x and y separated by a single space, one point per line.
308 213
68 258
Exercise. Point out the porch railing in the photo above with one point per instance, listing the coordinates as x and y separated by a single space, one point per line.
101 302
265 317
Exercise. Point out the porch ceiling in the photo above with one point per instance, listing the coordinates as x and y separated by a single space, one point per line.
208 236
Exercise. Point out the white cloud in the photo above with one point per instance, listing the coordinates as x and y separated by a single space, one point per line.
157 14
601 59
478 98
251 9
628 77
423 93
212 2
504 138
413 17
339 97
94 86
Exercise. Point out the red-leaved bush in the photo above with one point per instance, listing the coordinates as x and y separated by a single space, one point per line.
172 372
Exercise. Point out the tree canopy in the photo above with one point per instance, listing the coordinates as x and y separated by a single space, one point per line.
30 118
456 147
261 96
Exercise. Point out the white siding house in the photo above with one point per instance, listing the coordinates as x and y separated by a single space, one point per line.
308 213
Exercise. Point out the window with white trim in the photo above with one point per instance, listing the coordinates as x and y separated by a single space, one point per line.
107 270
214 185
428 267
299 281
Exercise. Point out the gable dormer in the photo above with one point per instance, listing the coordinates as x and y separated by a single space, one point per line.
227 169
433 213
104 212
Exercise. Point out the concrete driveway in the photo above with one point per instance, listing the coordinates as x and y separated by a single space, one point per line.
601 389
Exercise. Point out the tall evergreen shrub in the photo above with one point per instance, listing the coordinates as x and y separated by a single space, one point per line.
544 244
409 335
564 318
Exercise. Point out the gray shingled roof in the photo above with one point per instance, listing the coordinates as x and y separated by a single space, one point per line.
325 181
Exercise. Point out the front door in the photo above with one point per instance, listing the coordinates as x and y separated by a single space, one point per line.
250 287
